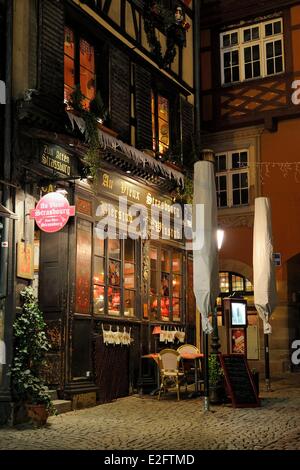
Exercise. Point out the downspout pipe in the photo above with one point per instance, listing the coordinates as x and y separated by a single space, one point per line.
197 86
7 147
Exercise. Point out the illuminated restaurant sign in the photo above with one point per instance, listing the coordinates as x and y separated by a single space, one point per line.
56 158
52 212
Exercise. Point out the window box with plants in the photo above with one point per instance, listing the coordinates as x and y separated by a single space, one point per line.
30 348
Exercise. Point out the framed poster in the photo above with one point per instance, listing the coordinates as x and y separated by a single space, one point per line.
238 341
25 267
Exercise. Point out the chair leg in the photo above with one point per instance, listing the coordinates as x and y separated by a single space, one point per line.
177 387
161 386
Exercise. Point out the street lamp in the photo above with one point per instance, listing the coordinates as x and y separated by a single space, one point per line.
215 343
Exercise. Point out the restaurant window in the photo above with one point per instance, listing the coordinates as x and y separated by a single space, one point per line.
79 66
232 178
166 278
232 282
160 123
252 52
114 277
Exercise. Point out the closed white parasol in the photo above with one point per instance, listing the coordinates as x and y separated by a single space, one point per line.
265 296
205 253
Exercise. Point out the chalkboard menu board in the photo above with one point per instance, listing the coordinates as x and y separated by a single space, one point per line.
239 381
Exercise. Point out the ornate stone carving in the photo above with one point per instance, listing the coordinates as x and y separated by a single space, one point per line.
231 221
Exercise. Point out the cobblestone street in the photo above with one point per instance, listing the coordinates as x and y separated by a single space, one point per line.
135 423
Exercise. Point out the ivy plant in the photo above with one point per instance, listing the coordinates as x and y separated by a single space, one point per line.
30 348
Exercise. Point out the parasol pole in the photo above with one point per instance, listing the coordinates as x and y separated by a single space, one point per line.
267 362
206 373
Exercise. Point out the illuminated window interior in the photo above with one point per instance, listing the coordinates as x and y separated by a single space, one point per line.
160 123
82 73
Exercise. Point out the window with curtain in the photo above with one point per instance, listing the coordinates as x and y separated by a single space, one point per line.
160 108
166 289
114 277
79 66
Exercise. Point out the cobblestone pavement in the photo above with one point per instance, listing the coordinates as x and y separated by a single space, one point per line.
135 423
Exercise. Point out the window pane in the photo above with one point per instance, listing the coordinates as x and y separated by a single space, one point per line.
236 197
69 68
255 52
269 29
227 76
165 285
226 40
223 183
255 33
129 250
153 282
114 273
87 84
153 308
227 59
176 262
98 243
234 39
176 309
114 248
99 300
87 56
69 44
221 162
270 50
278 64
247 54
153 258
249 286
235 74
237 283
235 57
248 70
223 199
114 301
243 159
99 274
129 303
165 308
247 35
165 261
224 282
236 181
245 196
277 27
278 48
176 282
256 69
270 66
244 180
129 276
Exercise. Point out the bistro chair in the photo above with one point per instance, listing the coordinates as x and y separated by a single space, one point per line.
186 366
168 362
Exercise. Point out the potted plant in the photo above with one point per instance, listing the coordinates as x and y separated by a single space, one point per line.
31 345
215 374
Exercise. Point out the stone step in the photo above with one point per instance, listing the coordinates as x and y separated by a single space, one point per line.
53 394
62 406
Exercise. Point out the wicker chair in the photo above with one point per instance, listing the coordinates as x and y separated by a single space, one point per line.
168 362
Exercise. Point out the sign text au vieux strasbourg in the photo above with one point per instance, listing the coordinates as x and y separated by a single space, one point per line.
52 212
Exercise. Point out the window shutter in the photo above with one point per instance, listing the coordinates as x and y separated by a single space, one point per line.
143 108
187 129
120 93
51 69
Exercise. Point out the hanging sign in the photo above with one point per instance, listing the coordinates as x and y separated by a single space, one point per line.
52 212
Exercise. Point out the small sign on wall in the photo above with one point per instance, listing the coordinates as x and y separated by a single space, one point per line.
277 259
25 267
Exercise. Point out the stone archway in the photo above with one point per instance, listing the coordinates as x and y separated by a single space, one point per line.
235 266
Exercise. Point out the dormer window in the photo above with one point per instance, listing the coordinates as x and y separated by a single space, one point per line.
252 52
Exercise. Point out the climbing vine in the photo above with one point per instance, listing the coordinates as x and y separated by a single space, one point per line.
155 15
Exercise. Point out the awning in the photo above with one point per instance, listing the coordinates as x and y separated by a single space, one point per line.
4 212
